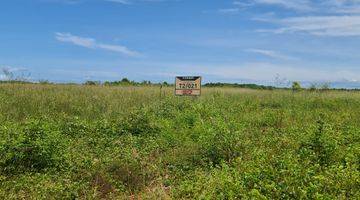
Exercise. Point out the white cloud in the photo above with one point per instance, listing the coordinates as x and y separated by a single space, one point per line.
342 6
13 69
268 71
87 73
80 41
260 71
243 4
120 1
320 25
271 54
93 44
330 18
229 10
300 5
118 48
325 6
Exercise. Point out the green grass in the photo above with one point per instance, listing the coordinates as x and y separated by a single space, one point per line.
92 142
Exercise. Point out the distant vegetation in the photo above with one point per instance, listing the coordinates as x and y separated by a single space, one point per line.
96 142
236 85
296 86
126 82
9 76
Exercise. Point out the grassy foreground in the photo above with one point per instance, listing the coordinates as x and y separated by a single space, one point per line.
92 142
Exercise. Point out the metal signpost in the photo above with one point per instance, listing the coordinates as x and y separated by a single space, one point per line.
188 86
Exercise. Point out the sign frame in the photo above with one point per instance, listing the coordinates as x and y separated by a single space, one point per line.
190 81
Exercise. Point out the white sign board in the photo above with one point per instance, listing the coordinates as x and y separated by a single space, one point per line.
188 86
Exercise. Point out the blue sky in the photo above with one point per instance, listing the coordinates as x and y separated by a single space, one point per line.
260 41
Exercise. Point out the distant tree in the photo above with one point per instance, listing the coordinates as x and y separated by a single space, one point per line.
9 75
92 83
296 86
15 75
236 85
313 87
44 81
325 86
280 82
125 80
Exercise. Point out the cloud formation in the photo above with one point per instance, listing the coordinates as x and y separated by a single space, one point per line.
271 54
320 25
120 1
321 18
299 5
325 6
93 44
260 71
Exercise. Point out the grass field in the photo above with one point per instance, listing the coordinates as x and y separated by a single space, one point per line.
92 142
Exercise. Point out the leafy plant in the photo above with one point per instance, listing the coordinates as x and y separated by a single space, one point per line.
34 148
296 86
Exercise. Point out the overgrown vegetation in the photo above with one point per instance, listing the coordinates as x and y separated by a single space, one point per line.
93 142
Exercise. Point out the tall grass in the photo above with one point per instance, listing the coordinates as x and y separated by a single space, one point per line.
91 142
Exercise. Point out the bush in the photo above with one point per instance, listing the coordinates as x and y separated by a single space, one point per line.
134 175
139 123
320 148
221 144
35 147
296 86
92 83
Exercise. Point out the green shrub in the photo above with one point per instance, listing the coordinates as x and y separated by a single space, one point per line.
296 86
35 147
134 175
320 147
221 144
139 123
74 127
